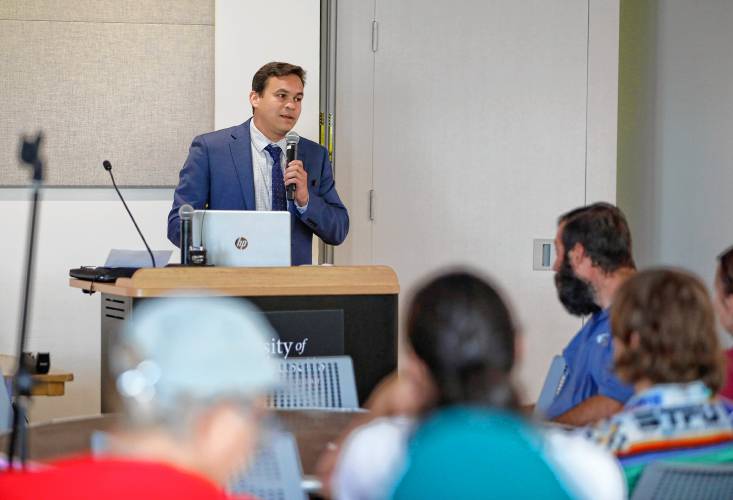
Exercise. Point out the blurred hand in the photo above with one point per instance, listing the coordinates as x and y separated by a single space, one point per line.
401 394
409 393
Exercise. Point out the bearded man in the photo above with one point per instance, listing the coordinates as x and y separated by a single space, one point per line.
593 246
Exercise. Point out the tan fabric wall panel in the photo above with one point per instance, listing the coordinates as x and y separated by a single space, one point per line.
133 93
115 11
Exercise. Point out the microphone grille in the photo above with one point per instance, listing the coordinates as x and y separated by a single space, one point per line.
185 212
107 165
292 137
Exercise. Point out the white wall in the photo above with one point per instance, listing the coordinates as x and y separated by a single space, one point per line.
249 34
675 175
637 188
76 227
602 107
694 126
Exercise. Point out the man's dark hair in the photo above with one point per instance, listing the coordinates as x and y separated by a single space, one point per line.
725 271
460 327
278 69
604 233
671 315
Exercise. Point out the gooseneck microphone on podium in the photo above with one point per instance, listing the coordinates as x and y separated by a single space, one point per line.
185 213
291 153
108 167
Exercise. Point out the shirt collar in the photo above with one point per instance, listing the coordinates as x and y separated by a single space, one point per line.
671 395
260 141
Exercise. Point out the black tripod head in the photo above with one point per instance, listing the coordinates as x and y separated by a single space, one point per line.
29 154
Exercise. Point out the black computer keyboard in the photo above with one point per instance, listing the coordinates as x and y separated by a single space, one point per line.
102 274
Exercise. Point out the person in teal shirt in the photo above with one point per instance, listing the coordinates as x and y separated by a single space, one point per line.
472 442
471 452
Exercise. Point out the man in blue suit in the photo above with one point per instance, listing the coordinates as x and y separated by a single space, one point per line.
243 167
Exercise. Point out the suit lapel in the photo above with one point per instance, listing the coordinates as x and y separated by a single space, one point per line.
241 149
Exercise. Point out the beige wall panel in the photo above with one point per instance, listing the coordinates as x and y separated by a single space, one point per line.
126 11
135 94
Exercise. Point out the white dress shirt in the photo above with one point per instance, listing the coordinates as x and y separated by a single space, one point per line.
262 168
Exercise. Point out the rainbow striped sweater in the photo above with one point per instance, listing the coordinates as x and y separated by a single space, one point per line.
670 422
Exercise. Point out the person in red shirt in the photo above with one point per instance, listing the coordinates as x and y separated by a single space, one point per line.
724 308
192 375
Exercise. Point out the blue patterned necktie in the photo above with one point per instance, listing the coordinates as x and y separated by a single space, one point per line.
278 184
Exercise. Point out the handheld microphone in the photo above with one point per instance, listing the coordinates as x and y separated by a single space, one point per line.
185 213
108 167
291 153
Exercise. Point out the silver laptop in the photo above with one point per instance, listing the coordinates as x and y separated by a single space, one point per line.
245 238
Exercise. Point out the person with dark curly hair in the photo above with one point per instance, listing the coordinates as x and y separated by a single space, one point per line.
666 346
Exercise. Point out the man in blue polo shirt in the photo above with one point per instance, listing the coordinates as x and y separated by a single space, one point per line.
593 245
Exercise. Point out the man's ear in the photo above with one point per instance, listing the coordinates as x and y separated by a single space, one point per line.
254 99
576 254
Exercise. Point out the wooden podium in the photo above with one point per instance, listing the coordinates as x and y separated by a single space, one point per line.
348 310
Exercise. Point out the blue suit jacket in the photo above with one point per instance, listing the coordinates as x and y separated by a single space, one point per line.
218 174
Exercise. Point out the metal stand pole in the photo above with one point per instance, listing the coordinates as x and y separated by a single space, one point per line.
23 382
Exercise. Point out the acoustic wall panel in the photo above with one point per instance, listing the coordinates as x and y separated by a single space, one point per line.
135 93
114 11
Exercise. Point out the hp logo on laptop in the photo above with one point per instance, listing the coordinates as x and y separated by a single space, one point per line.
241 243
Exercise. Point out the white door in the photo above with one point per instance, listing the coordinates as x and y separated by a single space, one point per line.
479 144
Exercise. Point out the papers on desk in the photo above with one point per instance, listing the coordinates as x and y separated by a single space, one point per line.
137 258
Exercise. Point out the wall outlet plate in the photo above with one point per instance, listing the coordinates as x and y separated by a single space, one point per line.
543 254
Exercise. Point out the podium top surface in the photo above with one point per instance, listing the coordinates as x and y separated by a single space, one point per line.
251 281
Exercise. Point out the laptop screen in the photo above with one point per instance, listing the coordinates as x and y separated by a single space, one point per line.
245 238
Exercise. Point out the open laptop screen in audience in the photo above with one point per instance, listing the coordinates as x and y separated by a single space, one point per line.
243 238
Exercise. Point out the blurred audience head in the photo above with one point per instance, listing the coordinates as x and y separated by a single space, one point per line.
724 289
663 327
192 375
600 233
460 328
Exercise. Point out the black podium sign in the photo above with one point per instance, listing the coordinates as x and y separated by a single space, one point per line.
307 333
